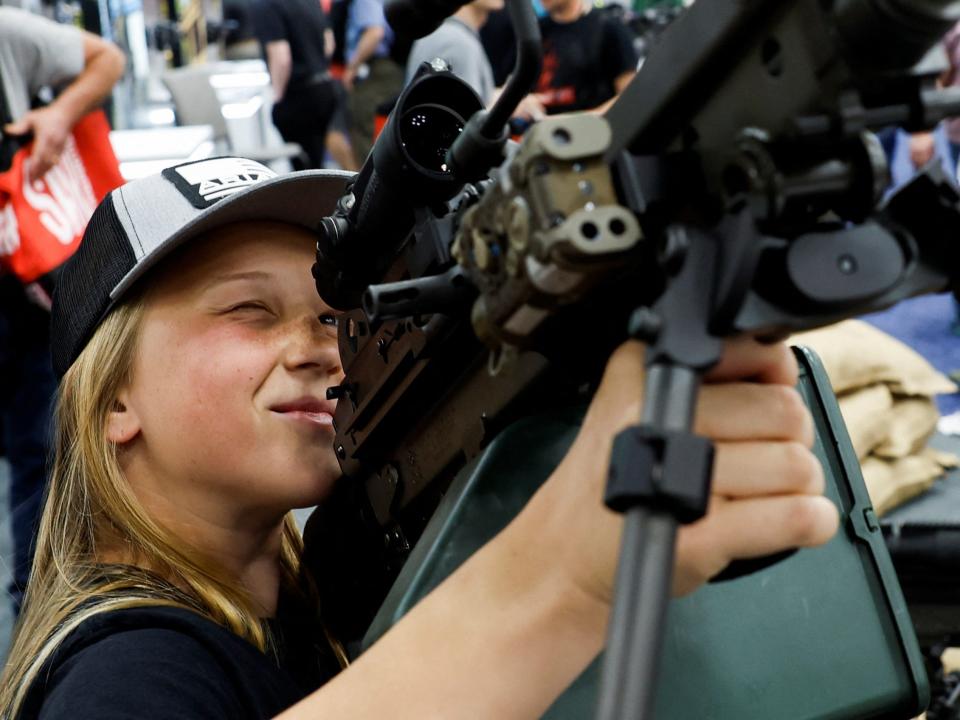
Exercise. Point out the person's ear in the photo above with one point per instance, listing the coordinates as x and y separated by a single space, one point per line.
123 424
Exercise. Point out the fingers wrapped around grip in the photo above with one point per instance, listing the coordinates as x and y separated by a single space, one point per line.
766 492
740 411
748 469
767 484
771 503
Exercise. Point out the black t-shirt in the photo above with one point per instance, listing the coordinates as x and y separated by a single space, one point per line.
500 44
301 23
236 13
171 663
581 60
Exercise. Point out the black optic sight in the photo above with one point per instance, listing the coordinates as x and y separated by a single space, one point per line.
406 169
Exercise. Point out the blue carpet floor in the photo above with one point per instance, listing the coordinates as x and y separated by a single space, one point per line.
923 323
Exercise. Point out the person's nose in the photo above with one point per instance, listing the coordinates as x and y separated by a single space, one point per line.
312 345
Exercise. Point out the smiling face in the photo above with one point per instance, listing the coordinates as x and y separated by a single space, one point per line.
226 416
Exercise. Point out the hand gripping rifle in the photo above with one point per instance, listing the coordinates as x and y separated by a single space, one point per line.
735 187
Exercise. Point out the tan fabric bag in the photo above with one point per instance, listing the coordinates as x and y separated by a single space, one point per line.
893 482
856 354
867 415
910 424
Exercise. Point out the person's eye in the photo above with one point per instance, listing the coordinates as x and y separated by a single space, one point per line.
250 306
328 319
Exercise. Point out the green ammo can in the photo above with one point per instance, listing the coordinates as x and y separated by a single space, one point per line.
822 634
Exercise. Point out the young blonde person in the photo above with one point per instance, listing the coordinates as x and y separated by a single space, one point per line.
194 356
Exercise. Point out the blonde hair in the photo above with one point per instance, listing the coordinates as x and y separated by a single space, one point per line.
89 503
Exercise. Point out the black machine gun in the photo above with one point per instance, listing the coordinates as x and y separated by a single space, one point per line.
734 187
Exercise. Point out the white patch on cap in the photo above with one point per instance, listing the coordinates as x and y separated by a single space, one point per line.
216 179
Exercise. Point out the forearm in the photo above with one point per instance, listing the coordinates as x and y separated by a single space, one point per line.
602 108
366 46
102 69
279 66
501 638
279 79
329 43
620 84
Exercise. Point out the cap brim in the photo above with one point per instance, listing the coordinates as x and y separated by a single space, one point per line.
301 198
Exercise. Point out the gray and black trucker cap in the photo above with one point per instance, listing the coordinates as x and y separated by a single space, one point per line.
141 222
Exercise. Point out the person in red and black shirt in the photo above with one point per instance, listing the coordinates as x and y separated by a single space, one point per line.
588 58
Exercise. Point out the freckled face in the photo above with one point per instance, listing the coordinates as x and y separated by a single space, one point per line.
235 356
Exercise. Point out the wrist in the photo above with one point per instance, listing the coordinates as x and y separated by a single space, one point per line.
526 608
538 538
65 111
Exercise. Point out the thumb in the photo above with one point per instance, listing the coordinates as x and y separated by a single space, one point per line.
20 127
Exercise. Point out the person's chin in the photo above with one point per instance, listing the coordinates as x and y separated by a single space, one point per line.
317 484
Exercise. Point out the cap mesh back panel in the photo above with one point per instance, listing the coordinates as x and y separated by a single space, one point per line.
82 294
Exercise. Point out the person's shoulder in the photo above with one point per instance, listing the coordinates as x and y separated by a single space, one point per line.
41 50
454 27
116 663
451 42
12 19
9 16
138 650
452 35
19 23
259 8
173 660
608 20
599 17
155 630
151 633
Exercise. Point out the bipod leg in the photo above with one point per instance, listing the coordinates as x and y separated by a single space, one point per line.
659 478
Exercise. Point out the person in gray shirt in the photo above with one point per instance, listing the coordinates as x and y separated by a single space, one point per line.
457 41
37 53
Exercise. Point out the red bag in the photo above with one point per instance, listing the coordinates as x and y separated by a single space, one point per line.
41 223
